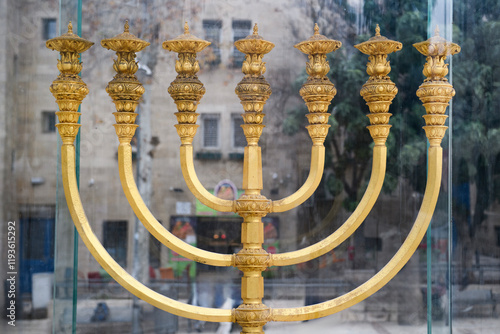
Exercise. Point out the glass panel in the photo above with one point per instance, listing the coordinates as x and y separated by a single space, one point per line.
66 257
27 166
450 284
475 252
285 163
438 238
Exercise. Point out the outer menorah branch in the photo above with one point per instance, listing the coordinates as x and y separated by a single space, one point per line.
253 91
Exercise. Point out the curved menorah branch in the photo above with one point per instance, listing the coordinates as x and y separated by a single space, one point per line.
317 93
187 91
392 267
378 92
152 225
125 91
309 186
351 224
195 186
109 264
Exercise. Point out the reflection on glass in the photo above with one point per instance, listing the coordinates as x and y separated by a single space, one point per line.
475 251
465 234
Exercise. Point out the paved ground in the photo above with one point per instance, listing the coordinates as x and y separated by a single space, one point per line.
332 324
352 321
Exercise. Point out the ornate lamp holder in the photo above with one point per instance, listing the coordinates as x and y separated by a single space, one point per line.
253 90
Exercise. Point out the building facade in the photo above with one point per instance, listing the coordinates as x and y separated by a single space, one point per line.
30 167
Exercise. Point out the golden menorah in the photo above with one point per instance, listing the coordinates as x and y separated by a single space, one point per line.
253 91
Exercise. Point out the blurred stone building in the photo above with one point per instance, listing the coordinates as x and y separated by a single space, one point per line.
29 150
29 147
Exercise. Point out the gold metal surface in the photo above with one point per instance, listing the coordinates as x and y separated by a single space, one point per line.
150 222
125 91
390 269
187 91
111 266
436 92
351 224
69 89
317 93
253 91
378 92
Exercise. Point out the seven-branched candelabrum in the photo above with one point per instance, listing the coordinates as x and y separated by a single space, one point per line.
186 90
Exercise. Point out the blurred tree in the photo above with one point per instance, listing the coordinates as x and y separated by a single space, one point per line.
348 142
476 129
476 124
349 145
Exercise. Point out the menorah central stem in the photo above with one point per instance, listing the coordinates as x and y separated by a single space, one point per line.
252 260
253 91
